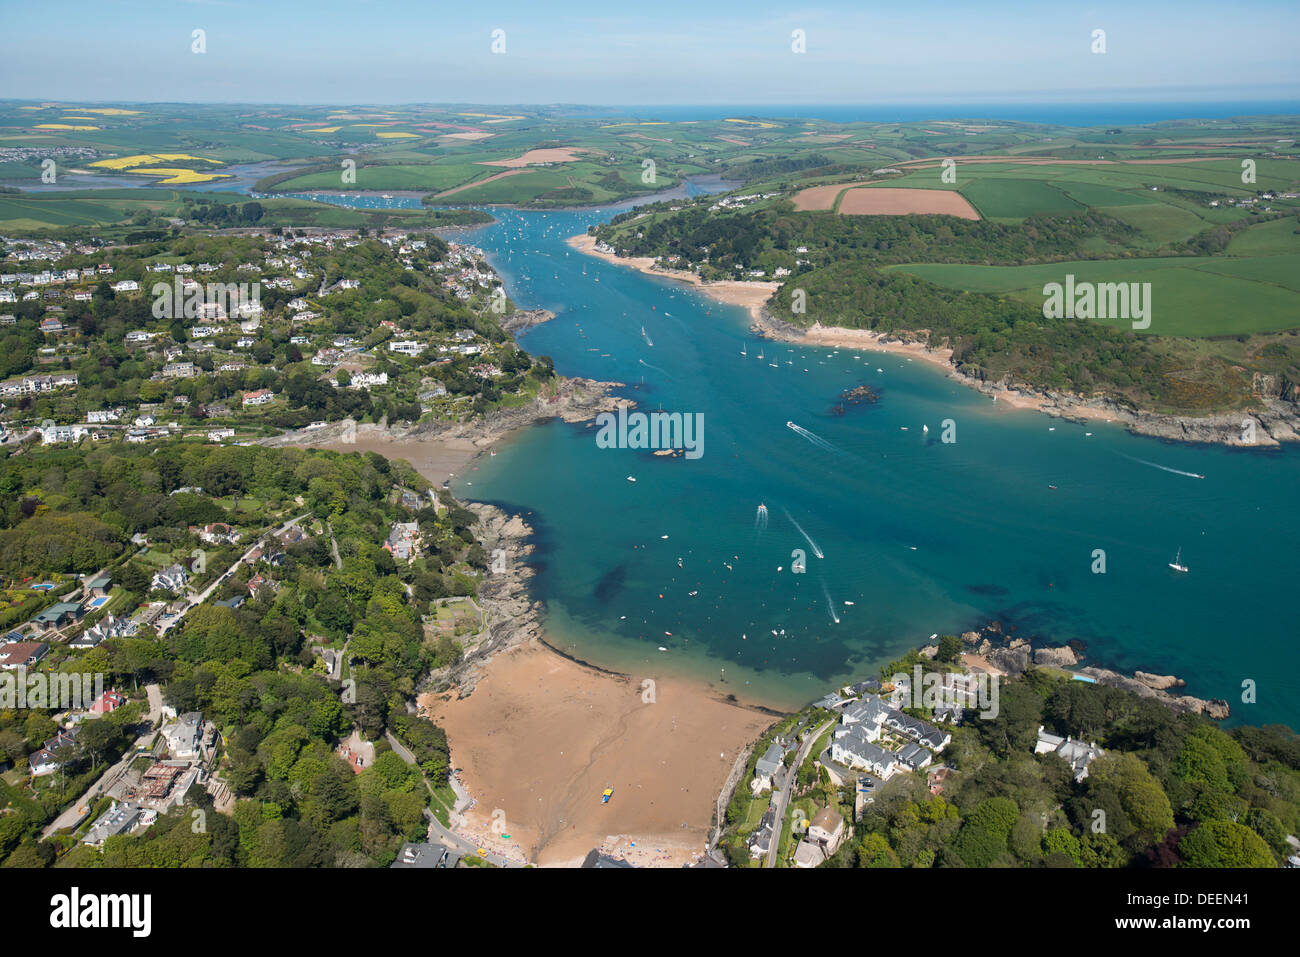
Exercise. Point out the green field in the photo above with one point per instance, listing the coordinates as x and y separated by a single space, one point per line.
1016 198
115 208
1190 296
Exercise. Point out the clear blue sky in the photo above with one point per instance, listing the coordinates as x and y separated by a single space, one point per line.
667 51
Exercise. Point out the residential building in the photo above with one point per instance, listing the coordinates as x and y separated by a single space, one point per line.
1077 754
22 654
827 829
124 818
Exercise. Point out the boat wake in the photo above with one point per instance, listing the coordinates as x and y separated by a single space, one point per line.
830 604
1163 468
812 437
808 538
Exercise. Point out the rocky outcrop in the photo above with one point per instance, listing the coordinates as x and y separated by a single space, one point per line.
511 617
1274 420
1013 661
1015 656
1214 708
1062 657
1159 682
521 320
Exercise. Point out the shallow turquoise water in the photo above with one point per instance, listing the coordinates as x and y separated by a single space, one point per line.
920 535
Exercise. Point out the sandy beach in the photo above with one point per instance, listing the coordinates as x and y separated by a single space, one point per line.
751 295
538 735
542 736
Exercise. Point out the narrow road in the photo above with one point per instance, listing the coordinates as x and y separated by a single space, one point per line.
81 806
446 837
200 599
793 772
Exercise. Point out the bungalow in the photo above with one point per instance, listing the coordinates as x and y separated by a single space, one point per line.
407 347
22 654
124 818
58 616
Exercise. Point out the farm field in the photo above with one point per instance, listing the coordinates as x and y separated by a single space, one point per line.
1190 296
875 201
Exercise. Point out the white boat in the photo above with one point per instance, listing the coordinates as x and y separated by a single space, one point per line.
1177 564
925 428
631 478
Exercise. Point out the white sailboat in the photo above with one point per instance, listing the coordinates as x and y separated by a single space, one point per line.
743 347
1177 564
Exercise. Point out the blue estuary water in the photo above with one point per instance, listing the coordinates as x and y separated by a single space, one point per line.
903 535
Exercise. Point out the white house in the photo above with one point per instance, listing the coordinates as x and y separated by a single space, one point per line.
1077 754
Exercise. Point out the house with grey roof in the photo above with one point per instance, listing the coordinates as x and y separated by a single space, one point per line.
121 818
914 757
766 767
1077 754
853 748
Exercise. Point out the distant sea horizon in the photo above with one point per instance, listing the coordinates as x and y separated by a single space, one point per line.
1059 114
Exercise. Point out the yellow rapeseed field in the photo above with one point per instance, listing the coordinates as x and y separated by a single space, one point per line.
148 159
